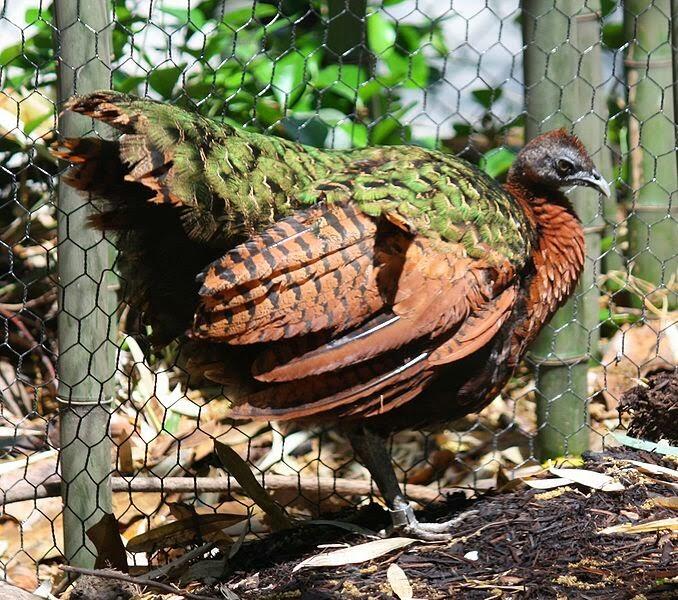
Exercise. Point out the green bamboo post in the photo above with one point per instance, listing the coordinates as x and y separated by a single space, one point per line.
86 354
653 224
561 80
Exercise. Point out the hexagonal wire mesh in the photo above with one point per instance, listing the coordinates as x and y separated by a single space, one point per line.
469 78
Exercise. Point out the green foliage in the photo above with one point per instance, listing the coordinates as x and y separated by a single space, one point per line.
268 68
487 97
28 75
497 162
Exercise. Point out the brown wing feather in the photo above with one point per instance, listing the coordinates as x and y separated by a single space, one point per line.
435 293
321 269
331 394
478 329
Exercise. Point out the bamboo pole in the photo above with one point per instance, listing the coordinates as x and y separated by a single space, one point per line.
85 323
653 224
562 76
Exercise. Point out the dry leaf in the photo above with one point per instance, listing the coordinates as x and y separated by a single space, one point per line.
236 466
670 524
548 484
528 471
21 464
399 582
200 528
105 536
513 454
355 554
651 469
592 479
670 502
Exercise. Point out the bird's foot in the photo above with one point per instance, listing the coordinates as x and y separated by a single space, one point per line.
406 524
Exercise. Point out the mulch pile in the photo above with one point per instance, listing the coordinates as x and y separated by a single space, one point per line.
653 408
529 544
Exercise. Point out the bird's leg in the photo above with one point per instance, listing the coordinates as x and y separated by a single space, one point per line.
371 449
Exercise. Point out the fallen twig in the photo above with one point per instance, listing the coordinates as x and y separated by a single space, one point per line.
46 298
140 581
323 486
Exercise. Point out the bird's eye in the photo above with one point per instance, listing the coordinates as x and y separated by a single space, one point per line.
564 166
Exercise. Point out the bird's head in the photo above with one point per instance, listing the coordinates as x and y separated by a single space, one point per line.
555 160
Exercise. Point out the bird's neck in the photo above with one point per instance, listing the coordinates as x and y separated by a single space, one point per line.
558 255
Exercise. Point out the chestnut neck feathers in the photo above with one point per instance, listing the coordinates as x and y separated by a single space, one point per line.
558 257
548 162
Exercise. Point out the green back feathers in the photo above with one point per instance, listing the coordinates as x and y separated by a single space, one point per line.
435 195
234 182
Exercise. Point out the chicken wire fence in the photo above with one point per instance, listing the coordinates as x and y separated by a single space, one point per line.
470 78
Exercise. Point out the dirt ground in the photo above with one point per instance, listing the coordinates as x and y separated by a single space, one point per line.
529 544
653 408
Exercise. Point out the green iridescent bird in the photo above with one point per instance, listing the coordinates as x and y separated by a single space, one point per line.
377 288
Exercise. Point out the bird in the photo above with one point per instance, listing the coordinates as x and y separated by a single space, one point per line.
374 289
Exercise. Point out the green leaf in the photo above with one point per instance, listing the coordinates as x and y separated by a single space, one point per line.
369 89
661 447
230 80
438 42
8 54
126 83
398 66
606 243
287 78
36 122
381 33
381 133
613 35
348 135
184 16
245 16
344 80
418 72
267 111
616 319
164 80
409 37
487 97
171 422
462 129
31 15
497 161
608 6
180 14
431 142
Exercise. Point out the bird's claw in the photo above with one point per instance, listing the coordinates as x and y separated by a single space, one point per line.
405 523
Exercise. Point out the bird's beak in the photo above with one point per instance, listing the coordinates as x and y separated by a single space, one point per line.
594 180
